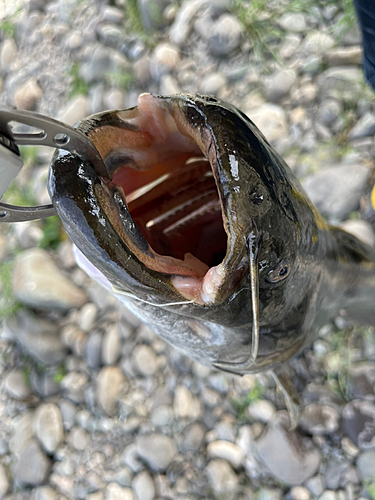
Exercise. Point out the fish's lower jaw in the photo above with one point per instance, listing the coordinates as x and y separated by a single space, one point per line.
202 291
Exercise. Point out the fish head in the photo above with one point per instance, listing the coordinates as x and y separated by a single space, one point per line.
195 207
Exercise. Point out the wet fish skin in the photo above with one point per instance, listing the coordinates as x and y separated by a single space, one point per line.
327 269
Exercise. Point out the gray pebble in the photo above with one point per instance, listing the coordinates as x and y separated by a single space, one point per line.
112 14
223 480
336 191
48 427
79 438
34 282
4 482
212 83
23 432
227 451
185 405
269 494
32 466
328 495
37 337
152 13
292 21
143 486
131 459
359 423
157 450
74 383
87 316
110 382
286 455
365 127
68 411
316 484
319 419
343 56
28 95
181 26
145 360
44 493
300 493
116 492
124 476
261 410
111 345
225 35
8 54
342 82
16 384
329 112
289 46
194 437
271 120
317 43
113 99
366 465
278 85
164 59
169 85
93 350
102 62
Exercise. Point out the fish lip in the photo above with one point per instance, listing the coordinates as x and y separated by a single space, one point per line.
232 262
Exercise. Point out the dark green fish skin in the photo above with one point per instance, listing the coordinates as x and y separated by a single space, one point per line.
308 271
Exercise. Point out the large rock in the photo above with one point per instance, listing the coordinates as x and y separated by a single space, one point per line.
38 282
157 450
37 337
342 82
285 453
336 191
222 478
48 426
33 466
358 418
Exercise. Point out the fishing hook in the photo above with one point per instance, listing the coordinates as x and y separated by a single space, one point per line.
253 251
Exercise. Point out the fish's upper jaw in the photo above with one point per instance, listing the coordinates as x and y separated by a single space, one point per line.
163 197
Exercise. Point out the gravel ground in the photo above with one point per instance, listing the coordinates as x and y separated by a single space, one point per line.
93 405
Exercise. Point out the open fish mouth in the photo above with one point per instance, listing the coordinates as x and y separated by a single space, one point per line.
163 195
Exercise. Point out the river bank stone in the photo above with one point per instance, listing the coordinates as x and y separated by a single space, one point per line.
34 282
285 453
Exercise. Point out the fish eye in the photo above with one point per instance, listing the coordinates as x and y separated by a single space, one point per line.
279 272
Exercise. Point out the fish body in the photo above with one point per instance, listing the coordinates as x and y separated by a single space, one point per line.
202 230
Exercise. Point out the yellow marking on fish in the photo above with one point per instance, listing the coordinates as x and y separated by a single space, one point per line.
373 197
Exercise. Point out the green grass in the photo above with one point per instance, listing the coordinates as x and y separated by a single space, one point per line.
8 302
78 86
240 405
370 487
59 374
120 80
53 233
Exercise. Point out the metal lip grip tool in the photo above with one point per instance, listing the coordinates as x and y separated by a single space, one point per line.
49 132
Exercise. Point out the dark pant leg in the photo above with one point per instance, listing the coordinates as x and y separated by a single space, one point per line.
366 17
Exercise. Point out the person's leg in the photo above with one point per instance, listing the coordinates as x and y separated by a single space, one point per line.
366 17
